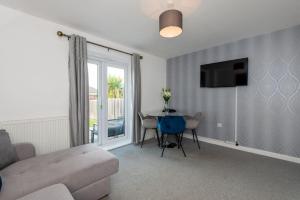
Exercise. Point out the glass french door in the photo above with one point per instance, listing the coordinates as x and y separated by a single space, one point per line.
108 102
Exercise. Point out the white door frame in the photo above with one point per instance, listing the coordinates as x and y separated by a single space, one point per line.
103 63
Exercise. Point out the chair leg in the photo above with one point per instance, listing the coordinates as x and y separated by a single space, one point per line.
92 139
163 145
157 136
143 137
182 146
193 136
195 133
180 138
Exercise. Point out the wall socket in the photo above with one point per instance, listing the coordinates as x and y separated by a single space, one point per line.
219 125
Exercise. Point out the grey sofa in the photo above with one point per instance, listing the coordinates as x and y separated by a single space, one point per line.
85 170
53 192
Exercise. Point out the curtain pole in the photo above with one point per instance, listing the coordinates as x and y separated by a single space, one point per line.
61 34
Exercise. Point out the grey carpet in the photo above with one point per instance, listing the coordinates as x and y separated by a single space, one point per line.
213 173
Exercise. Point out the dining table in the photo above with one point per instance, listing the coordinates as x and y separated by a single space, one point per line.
164 114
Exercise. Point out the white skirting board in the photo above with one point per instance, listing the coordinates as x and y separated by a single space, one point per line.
46 134
246 149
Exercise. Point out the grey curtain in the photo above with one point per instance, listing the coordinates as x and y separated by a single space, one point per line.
78 97
136 100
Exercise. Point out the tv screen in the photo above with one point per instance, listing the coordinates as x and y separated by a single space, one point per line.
225 74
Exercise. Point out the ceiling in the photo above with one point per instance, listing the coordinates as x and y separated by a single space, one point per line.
134 23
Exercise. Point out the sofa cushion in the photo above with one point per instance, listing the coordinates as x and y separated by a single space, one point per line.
24 151
57 191
76 168
7 151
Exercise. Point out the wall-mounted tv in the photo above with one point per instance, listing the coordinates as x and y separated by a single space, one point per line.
230 73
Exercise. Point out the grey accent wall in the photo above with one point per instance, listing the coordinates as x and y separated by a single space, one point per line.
268 109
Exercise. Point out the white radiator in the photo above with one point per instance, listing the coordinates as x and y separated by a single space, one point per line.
46 134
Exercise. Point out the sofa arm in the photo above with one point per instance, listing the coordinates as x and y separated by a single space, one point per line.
24 150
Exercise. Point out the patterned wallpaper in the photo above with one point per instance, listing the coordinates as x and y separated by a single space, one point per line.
268 109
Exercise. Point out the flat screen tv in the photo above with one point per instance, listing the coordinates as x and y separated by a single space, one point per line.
230 73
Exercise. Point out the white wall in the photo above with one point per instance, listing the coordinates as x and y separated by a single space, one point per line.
153 80
34 68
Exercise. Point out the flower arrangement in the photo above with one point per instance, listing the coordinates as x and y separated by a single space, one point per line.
166 94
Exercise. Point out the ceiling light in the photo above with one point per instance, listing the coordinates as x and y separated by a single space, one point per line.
170 23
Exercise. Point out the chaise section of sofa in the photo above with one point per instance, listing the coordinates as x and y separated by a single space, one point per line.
84 170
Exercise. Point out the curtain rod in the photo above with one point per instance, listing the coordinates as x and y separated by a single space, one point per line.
61 34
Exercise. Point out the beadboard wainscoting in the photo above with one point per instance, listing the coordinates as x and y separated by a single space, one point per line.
46 134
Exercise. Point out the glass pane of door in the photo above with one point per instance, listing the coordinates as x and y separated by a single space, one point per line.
115 102
93 102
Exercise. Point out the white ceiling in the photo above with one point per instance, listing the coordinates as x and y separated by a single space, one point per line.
134 22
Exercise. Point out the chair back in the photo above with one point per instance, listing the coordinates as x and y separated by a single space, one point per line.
141 115
198 115
171 124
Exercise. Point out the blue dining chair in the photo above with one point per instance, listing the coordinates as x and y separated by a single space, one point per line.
171 125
